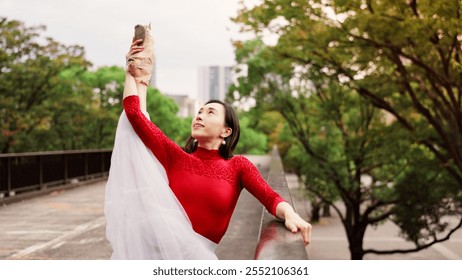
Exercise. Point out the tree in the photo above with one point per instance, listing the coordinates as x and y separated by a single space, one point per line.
70 115
29 71
350 150
404 57
163 112
104 105
251 141
268 123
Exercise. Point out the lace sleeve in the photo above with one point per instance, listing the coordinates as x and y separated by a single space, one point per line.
252 181
160 145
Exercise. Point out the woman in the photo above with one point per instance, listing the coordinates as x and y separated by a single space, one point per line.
205 178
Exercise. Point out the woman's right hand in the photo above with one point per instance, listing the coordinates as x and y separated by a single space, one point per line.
135 47
139 62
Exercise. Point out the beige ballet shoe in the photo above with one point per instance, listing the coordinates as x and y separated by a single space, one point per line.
140 64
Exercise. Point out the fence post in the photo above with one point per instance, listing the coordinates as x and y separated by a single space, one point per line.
66 169
102 162
40 162
85 158
8 174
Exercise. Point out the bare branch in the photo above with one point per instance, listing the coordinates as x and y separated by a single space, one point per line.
418 247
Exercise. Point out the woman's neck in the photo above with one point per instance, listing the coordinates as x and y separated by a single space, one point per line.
211 145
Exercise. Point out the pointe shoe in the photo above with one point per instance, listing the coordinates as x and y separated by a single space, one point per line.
140 64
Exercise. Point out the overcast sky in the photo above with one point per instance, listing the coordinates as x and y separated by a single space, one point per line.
187 33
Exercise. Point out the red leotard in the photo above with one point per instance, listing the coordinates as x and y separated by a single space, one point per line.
206 185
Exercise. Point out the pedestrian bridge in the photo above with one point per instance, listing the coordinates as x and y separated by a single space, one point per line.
55 205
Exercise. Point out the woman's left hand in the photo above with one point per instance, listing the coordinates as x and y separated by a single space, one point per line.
295 223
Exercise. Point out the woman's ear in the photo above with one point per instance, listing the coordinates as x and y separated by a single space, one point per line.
227 132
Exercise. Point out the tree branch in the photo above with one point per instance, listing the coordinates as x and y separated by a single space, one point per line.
418 247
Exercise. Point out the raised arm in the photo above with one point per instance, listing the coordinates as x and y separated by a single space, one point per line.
134 102
139 61
131 86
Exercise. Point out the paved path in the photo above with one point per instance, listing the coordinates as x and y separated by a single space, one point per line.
329 240
62 225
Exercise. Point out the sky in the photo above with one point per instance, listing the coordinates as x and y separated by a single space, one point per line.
187 33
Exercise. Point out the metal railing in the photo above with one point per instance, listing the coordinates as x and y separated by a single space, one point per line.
275 241
26 172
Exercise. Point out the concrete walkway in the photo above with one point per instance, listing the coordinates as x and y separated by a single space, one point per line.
329 239
68 224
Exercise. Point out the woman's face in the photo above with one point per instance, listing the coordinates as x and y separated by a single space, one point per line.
209 124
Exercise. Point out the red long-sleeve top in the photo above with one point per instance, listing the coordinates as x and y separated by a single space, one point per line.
206 185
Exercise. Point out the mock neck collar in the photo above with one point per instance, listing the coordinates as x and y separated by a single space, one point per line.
207 154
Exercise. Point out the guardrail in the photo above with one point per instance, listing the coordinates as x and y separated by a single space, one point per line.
22 173
276 242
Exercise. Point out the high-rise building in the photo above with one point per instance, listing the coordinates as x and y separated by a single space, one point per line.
153 81
187 107
214 82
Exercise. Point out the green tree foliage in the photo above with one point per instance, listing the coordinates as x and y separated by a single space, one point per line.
30 68
372 96
69 113
251 141
104 106
163 112
404 56
255 136
267 124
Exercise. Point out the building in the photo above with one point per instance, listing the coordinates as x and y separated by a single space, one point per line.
153 81
187 107
214 82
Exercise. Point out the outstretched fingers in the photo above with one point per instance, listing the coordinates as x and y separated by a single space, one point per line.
135 48
306 232
136 43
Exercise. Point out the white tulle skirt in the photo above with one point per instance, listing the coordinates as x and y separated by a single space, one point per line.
144 218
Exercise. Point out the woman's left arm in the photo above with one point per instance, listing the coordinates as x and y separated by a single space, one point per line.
253 182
